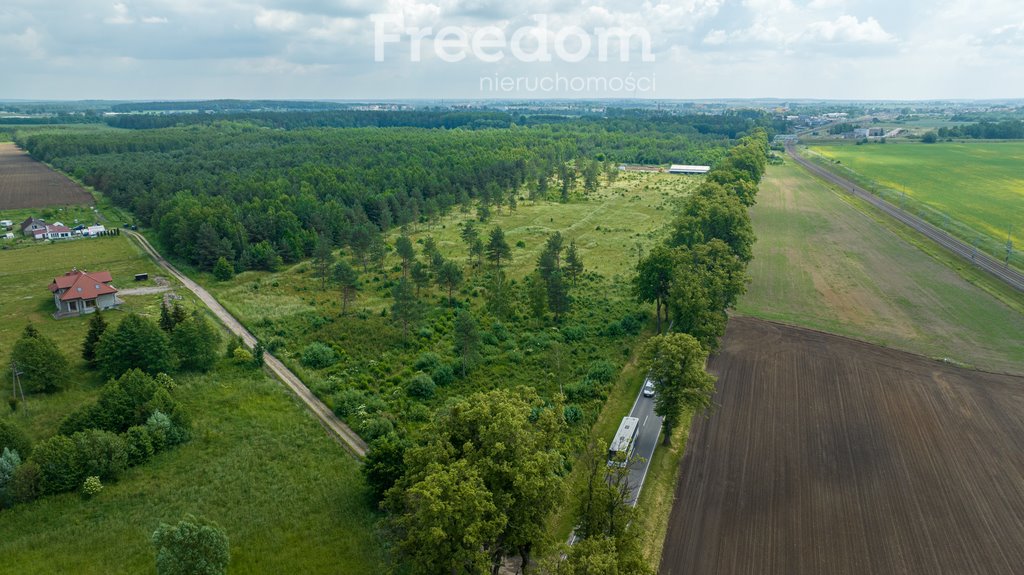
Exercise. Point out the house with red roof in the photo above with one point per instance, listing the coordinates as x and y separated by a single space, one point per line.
55 231
78 292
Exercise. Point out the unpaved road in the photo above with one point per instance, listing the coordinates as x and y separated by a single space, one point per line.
335 428
1012 277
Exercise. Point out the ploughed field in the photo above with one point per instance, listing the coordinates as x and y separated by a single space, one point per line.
829 455
26 183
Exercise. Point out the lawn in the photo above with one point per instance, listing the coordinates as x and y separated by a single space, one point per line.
822 262
289 497
975 189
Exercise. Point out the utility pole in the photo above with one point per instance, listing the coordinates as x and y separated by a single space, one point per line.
17 387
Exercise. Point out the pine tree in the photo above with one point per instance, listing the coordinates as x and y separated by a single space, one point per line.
497 248
223 270
573 263
348 281
97 325
406 308
166 321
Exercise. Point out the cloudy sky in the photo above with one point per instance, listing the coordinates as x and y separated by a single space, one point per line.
370 49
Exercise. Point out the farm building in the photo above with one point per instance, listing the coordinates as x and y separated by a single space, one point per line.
678 169
93 231
78 292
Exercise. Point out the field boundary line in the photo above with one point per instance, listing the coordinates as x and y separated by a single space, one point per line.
336 429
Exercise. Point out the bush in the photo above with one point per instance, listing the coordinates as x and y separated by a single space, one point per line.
443 374
347 401
601 371
192 547
574 333
241 356
138 444
9 463
58 462
100 453
318 356
91 487
573 414
164 432
421 386
26 483
14 438
123 403
427 361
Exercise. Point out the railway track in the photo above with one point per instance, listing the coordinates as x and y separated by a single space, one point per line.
994 267
337 429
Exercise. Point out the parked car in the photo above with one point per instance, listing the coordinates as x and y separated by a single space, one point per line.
649 389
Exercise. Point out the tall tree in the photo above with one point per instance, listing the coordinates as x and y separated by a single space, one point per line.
653 279
43 367
537 296
470 236
497 248
378 252
323 257
467 339
136 342
675 363
559 301
196 343
406 308
715 215
573 263
97 325
499 296
347 279
405 250
449 276
707 280
420 276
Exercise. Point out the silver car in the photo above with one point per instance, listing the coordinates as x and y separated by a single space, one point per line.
649 389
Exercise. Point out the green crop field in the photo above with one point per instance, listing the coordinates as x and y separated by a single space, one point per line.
822 263
975 190
290 499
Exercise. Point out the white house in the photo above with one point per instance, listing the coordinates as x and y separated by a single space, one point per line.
78 292
93 231
55 231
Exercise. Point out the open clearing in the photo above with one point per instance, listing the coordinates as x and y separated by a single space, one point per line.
828 455
822 263
26 183
978 185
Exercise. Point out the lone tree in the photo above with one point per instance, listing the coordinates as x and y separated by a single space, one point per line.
573 263
192 547
406 308
97 325
467 339
223 270
420 275
406 251
43 367
449 276
323 257
347 279
676 364
497 248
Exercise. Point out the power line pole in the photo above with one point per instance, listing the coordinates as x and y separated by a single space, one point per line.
17 387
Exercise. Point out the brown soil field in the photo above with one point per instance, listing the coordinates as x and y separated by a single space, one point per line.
829 455
26 183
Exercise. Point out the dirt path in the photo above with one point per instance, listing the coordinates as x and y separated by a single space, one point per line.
335 428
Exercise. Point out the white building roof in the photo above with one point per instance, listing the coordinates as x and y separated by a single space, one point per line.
681 169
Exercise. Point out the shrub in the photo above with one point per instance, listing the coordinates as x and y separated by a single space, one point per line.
500 332
100 453
9 463
373 427
195 342
192 547
26 482
138 444
318 356
11 436
573 333
573 414
91 487
421 386
161 431
58 462
242 356
124 402
581 390
427 361
443 374
348 401
601 371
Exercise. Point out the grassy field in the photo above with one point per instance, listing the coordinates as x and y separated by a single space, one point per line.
290 498
823 263
975 190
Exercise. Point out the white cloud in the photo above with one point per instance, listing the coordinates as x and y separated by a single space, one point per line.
120 16
847 29
154 20
28 43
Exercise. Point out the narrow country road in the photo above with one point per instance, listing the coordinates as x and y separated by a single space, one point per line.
1010 276
335 428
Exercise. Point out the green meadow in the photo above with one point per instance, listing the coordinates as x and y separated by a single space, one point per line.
290 499
975 189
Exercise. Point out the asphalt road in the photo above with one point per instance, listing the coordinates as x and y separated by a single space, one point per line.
1010 276
646 441
334 426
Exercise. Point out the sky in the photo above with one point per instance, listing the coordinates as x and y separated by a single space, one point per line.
473 49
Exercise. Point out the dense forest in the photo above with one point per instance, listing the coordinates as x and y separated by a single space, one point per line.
261 189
